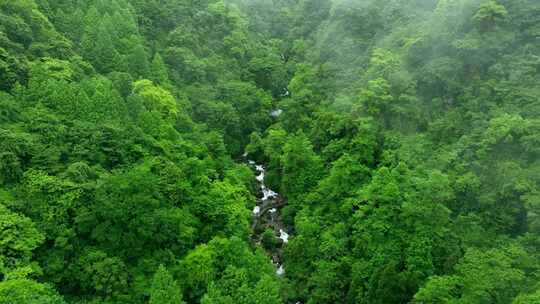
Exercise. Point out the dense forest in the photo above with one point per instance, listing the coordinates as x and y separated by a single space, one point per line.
402 136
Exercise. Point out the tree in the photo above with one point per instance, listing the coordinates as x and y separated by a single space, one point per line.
400 235
301 166
28 292
158 71
376 98
97 43
100 274
495 275
533 298
18 238
490 14
228 271
156 98
305 95
137 62
12 70
165 289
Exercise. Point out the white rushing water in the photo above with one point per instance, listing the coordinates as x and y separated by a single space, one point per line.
256 210
260 177
268 195
276 113
280 271
284 236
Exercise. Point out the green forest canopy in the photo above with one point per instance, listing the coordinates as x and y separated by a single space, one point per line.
407 150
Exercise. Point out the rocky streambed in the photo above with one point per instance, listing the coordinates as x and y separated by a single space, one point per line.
267 226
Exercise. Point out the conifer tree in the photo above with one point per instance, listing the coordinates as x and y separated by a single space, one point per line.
158 71
137 62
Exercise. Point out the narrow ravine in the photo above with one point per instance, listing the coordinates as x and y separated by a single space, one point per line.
266 215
